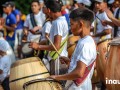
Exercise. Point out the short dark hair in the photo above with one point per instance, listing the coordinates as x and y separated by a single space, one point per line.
37 1
54 5
82 13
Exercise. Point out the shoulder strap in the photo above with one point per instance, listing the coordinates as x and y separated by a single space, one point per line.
46 21
54 54
117 13
32 18
116 27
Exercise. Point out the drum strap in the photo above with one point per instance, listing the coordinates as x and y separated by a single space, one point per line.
79 81
28 76
87 71
54 54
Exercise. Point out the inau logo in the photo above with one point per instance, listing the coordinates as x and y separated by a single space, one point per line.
109 81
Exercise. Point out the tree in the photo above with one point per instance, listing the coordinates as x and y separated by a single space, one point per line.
23 5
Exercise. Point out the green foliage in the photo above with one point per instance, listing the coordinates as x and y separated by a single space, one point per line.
23 5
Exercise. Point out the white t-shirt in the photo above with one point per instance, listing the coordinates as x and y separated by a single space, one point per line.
85 52
46 29
99 26
116 10
5 64
60 27
10 51
39 18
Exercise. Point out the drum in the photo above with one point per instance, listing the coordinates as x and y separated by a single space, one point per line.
26 51
113 66
101 58
72 42
42 84
26 70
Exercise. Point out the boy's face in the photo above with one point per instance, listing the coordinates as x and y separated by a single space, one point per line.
35 7
7 9
100 5
75 27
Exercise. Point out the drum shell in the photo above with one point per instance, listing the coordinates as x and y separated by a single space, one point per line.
112 67
72 44
45 85
101 59
27 67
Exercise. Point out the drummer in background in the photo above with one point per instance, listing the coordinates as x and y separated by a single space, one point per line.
84 54
10 24
115 20
39 19
101 32
58 35
5 64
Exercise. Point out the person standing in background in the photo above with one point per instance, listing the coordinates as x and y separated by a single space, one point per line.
10 24
18 29
39 18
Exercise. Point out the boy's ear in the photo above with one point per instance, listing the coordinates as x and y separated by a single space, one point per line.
48 10
80 23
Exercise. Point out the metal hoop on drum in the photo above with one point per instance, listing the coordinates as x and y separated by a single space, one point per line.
40 80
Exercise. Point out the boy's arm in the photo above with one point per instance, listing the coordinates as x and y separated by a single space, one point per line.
57 43
78 72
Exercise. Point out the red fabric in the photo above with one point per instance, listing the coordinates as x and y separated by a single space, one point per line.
87 71
63 12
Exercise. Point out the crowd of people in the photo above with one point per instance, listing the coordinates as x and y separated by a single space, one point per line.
23 36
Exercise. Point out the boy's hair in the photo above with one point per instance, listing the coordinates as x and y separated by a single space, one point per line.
37 1
82 14
54 5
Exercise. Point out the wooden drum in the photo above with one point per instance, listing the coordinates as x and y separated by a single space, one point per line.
101 58
26 70
72 42
42 84
113 65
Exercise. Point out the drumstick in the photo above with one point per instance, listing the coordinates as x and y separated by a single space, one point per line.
53 45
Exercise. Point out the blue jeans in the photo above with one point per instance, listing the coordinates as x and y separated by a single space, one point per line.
11 43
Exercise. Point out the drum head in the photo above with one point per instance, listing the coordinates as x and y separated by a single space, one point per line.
115 41
26 50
